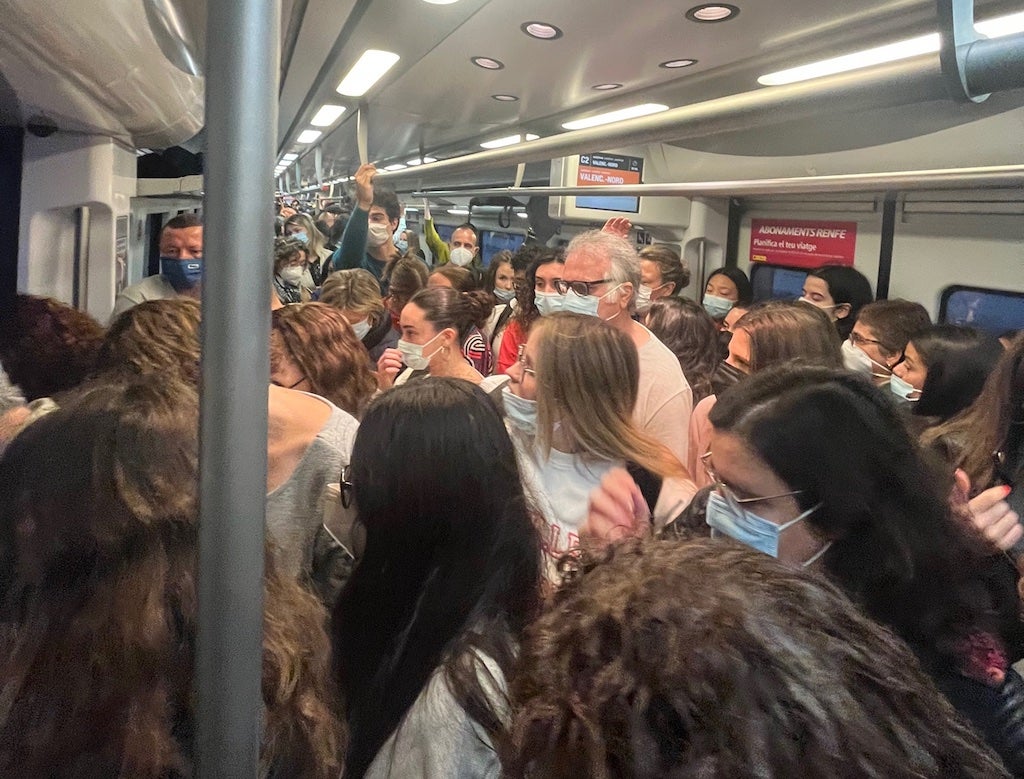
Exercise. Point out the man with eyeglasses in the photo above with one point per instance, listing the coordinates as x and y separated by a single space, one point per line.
600 278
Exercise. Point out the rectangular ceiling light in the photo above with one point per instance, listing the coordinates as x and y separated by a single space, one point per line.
289 157
924 44
615 116
511 140
396 166
327 115
366 72
308 136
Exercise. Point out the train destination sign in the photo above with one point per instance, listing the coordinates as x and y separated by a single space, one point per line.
601 168
802 243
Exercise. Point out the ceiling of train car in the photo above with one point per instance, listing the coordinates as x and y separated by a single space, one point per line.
436 101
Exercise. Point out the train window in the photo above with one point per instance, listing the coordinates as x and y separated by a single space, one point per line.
775 282
993 310
445 231
494 242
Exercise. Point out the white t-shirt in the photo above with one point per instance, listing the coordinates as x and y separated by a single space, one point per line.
664 401
150 288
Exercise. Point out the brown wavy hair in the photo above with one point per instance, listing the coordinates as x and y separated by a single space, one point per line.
155 336
98 556
705 658
321 342
782 331
47 346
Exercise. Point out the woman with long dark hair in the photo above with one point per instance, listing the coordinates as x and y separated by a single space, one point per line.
815 466
425 632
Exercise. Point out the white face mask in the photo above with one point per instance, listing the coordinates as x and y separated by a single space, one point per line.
548 303
461 257
378 234
643 298
361 329
292 275
902 388
802 299
412 354
857 360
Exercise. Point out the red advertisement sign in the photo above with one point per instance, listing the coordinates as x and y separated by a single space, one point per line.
802 243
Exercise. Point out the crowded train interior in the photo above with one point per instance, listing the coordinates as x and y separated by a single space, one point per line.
481 389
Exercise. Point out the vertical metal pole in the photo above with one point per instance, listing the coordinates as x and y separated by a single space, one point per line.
885 249
241 120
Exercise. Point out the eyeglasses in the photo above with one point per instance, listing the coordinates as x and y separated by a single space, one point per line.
346 487
580 288
857 339
735 503
521 359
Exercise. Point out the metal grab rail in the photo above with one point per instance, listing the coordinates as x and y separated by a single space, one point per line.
995 176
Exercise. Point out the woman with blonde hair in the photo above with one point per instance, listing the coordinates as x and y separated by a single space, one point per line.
356 293
301 227
313 348
569 406
98 551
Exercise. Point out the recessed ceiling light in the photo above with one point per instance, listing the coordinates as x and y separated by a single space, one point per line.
289 157
606 87
522 215
615 116
366 72
505 98
308 136
440 2
541 30
712 12
510 140
458 211
396 166
487 63
677 63
327 115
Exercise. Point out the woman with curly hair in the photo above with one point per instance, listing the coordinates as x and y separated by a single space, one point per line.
672 659
98 551
47 346
148 338
313 348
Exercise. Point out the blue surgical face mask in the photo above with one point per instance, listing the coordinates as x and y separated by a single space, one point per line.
750 529
587 304
548 303
902 388
520 412
182 274
717 307
300 236
403 245
504 295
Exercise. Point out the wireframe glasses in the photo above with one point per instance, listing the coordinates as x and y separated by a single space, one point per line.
521 359
346 487
735 503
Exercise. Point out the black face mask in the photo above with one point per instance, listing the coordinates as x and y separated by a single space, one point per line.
725 376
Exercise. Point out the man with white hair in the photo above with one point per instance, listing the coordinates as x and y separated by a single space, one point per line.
600 278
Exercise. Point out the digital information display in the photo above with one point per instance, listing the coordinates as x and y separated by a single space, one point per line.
598 169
